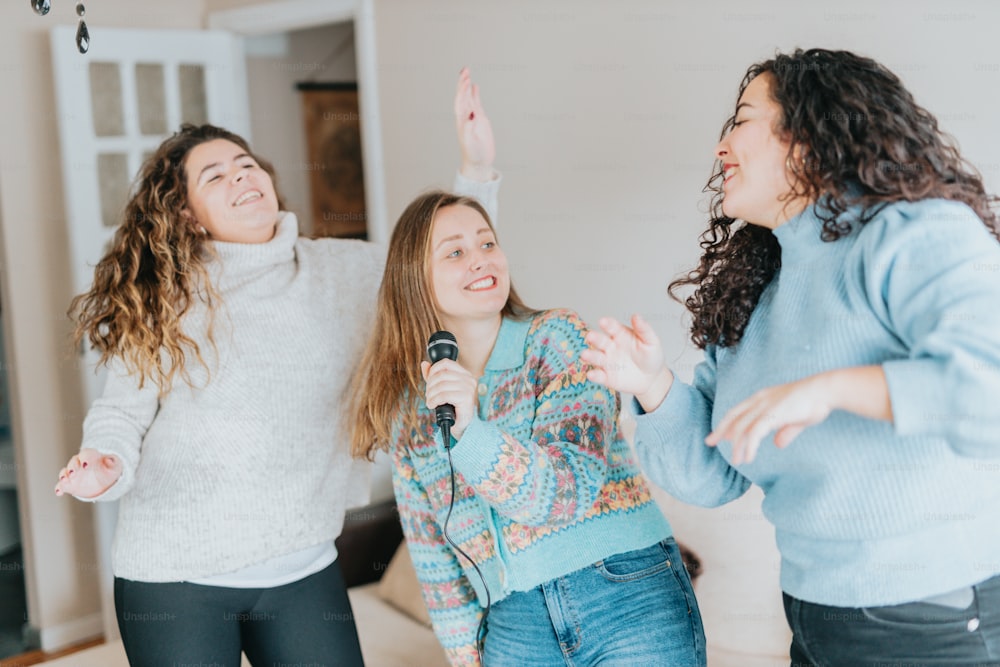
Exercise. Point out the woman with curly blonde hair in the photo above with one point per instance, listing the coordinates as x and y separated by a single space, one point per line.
156 269
229 341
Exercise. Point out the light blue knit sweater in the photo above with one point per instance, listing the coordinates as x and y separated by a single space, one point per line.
866 512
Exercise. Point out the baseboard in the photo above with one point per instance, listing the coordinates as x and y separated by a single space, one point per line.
65 634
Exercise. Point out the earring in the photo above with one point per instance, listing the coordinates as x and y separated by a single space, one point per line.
202 230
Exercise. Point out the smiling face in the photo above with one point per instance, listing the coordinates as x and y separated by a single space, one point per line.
228 193
468 270
757 183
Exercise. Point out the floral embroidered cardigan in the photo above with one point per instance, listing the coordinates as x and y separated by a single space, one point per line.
545 482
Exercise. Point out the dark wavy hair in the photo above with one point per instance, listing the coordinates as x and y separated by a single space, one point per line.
857 139
154 269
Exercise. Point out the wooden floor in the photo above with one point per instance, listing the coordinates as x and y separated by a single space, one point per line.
37 657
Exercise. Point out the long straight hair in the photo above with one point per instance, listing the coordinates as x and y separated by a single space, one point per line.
388 382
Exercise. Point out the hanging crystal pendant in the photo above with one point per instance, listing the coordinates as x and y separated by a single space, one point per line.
82 37
82 34
41 7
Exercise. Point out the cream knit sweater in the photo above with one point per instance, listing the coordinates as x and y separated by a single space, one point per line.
254 463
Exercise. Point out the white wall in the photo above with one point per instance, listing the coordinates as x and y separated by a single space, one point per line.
606 116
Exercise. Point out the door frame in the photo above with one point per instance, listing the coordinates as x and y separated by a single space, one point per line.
278 17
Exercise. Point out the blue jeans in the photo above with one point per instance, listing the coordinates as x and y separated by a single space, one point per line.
634 609
914 634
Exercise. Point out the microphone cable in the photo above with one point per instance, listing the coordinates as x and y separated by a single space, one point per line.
480 631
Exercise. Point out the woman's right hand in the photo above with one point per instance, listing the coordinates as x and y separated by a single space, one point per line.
89 474
629 359
448 382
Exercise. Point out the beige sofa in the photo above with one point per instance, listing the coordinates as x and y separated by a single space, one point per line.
390 635
391 617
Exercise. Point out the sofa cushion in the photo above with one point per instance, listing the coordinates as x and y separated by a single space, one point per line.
368 541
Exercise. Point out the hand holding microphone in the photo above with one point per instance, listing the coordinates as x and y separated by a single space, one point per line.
451 390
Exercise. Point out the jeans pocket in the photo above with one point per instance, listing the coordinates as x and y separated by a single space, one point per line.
634 565
920 616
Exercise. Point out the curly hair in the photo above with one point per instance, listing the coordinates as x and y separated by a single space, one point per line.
388 380
154 270
858 141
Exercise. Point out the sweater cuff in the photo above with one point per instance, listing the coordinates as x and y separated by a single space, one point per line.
680 418
476 452
485 192
476 188
677 403
917 409
113 492
109 494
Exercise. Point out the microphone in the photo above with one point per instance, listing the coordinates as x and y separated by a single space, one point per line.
442 345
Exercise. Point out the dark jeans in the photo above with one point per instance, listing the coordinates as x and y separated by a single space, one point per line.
175 624
905 635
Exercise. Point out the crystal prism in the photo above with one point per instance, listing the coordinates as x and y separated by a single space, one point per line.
41 7
82 37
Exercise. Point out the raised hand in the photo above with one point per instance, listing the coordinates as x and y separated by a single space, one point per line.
448 382
475 133
89 474
629 359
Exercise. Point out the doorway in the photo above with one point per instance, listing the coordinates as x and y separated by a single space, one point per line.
283 69
287 43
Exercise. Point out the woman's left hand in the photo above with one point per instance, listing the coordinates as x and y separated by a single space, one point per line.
449 382
475 133
790 408
786 408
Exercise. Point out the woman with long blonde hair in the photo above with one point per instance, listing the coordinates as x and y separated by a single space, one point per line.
533 533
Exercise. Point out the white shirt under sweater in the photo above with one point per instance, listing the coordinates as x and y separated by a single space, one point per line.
254 463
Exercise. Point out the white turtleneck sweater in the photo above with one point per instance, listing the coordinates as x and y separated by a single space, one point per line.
250 471
254 462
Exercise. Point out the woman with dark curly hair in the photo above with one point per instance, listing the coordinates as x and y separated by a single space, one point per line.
230 341
848 300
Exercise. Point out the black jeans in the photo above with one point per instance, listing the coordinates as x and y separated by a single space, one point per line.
306 622
905 635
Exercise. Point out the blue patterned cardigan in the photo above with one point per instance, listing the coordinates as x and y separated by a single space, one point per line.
546 484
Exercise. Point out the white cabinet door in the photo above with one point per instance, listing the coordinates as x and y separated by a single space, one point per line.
116 104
